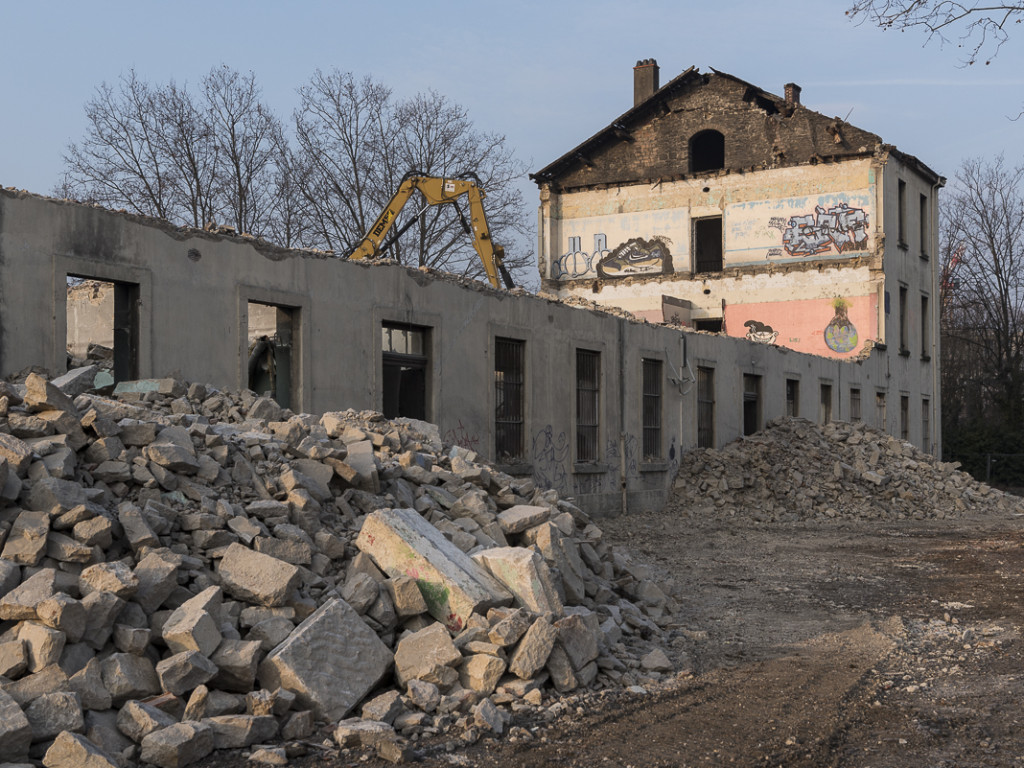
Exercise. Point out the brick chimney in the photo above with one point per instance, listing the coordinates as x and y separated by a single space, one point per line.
792 96
645 80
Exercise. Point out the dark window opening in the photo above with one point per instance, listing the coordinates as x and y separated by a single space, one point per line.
707 244
707 151
925 229
652 377
825 412
902 218
904 323
712 324
405 363
103 328
588 397
793 397
509 410
855 412
880 414
925 329
705 407
926 427
904 417
751 403
271 333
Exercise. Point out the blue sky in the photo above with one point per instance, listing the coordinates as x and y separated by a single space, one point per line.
545 74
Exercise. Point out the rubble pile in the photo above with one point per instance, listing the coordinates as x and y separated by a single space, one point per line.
184 570
796 470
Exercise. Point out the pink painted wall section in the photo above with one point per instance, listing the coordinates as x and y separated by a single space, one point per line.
814 326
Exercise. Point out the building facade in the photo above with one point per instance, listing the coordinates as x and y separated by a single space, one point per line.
714 205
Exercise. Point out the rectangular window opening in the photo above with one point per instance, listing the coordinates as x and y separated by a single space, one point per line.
271 333
103 328
926 338
880 413
925 233
711 324
707 244
904 323
926 426
855 411
588 404
902 213
904 417
705 407
751 403
825 412
652 380
406 365
793 397
509 399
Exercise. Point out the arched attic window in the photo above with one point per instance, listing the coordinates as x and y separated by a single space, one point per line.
707 151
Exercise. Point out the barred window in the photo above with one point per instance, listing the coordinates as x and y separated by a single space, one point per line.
793 397
855 414
705 407
509 402
588 401
652 409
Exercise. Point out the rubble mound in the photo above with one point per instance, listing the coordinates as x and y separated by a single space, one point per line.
797 470
184 570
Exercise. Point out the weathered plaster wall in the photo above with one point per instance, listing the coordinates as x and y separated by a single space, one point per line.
193 294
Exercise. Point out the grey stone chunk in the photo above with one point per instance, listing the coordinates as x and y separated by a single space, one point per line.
240 731
114 577
357 732
88 684
137 719
237 662
270 633
42 644
13 659
481 673
656 661
77 380
26 542
72 750
521 517
177 745
299 726
525 574
63 613
101 611
156 575
20 603
191 628
52 713
173 458
255 577
50 679
360 592
424 695
50 492
95 532
127 676
136 528
309 665
508 631
533 650
15 730
129 639
406 596
16 453
42 395
385 707
182 672
10 576
195 708
427 655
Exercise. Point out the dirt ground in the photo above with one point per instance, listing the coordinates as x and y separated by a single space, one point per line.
809 644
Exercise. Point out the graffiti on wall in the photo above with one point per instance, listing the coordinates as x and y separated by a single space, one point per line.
461 437
637 256
838 227
840 333
551 459
759 332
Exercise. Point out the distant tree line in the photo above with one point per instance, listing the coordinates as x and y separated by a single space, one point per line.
217 153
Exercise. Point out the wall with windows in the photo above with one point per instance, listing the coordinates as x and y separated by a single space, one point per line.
592 404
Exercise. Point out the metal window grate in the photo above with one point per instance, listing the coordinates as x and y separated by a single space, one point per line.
588 379
904 417
855 414
652 379
792 397
707 244
509 411
705 407
926 427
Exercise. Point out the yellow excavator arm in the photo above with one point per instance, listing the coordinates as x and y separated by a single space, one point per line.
437 191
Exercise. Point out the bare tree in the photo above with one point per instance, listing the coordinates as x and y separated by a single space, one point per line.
979 28
982 302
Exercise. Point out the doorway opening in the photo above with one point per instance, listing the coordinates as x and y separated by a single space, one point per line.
103 327
272 331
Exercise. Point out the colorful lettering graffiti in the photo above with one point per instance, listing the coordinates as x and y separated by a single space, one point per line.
759 332
840 227
460 436
637 256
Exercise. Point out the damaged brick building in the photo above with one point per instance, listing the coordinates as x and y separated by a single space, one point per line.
716 205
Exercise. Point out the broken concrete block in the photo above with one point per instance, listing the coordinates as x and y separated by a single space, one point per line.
26 542
237 662
131 639
240 731
656 661
533 650
49 679
137 719
488 717
16 453
13 659
42 395
127 676
357 732
155 573
181 673
95 532
427 655
508 631
136 528
424 695
525 574
50 492
270 633
521 517
579 640
360 592
88 684
66 550
114 577
402 543
177 745
190 628
20 603
42 644
563 553
15 729
101 612
77 380
63 613
309 664
299 726
72 750
481 673
385 707
52 713
406 596
257 578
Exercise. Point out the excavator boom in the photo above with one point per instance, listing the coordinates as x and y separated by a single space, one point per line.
437 191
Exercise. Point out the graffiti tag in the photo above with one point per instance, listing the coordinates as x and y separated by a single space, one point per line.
550 459
840 227
461 437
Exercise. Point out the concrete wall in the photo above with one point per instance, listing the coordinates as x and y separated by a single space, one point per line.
193 292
